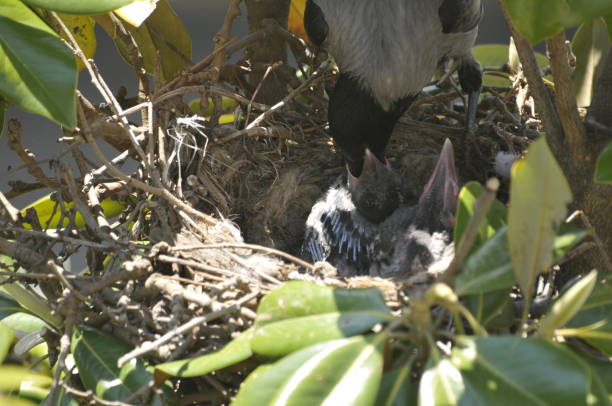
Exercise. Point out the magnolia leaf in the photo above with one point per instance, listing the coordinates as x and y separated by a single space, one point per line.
340 372
299 314
539 195
83 31
566 306
7 336
441 384
137 12
591 46
236 351
397 388
38 72
96 354
516 371
79 6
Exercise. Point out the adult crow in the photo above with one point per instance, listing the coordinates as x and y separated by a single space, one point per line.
387 51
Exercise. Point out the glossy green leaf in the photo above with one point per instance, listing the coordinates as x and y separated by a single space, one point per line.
539 194
492 309
603 171
15 401
299 314
96 355
489 268
590 46
79 6
538 20
495 219
567 240
24 322
594 321
396 388
12 377
598 394
517 371
567 305
8 306
339 372
441 384
236 351
603 369
7 336
38 73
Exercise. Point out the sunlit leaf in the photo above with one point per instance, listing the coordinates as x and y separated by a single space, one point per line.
8 306
79 6
516 371
495 219
49 213
441 384
539 194
593 322
136 12
296 18
38 71
340 372
236 351
7 336
566 306
299 314
11 378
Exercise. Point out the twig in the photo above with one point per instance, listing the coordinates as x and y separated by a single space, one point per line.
185 328
316 76
254 247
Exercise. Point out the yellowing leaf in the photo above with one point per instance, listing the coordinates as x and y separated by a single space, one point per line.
82 28
49 216
135 13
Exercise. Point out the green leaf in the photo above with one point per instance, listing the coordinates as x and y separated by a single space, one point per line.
96 355
79 6
492 309
8 306
24 322
487 269
38 72
542 19
594 321
12 377
539 195
603 171
299 314
441 383
339 372
495 219
236 351
162 38
591 46
603 369
397 388
518 371
7 336
567 305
